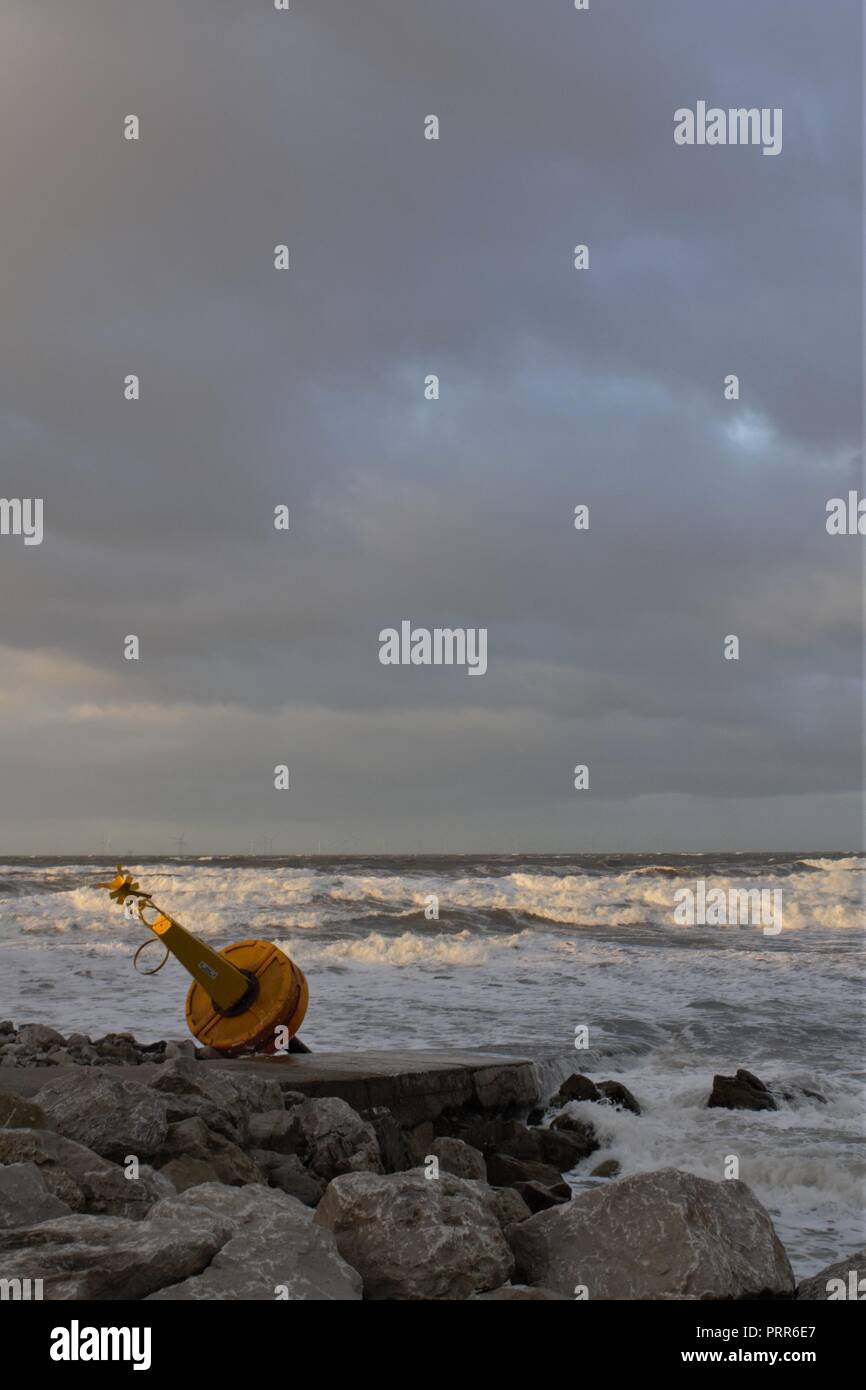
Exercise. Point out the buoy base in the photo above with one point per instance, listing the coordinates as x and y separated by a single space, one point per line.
278 1000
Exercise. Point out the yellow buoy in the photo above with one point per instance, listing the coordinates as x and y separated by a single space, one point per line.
246 997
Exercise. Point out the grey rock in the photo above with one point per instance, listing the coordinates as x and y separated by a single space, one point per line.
661 1235
332 1138
107 1257
192 1149
273 1130
581 1088
458 1158
293 1098
225 1101
82 1179
187 1137
290 1175
255 1093
113 1117
36 1036
507 1206
572 1124
616 1094
186 1171
117 1049
419 1138
609 1169
395 1146
275 1252
844 1280
505 1203
577 1087
744 1091
24 1198
564 1149
413 1237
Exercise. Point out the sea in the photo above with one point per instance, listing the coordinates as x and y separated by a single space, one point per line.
579 962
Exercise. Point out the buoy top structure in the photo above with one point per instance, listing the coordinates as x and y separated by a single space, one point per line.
248 997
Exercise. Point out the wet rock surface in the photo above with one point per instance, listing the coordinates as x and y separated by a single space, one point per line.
743 1091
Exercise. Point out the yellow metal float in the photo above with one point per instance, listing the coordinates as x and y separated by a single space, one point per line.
248 997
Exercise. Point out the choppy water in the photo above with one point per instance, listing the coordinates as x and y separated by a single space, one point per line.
525 950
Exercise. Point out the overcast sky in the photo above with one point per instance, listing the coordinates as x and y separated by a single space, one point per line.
305 387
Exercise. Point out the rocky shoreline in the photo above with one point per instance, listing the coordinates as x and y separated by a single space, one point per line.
215 1182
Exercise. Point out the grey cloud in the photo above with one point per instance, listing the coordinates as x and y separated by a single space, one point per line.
557 388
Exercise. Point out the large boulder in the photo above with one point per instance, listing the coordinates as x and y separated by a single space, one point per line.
332 1139
846 1279
95 1258
276 1253
113 1117
414 1237
224 1100
658 1235
744 1091
82 1179
24 1198
458 1158
108 1257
